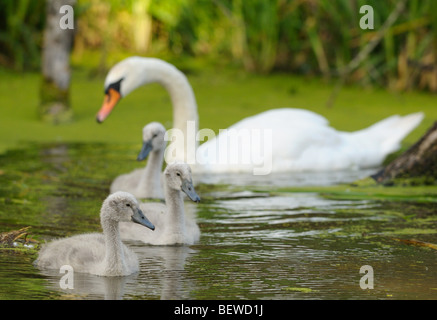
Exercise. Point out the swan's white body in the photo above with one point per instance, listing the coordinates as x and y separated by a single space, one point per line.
302 140
95 253
279 139
146 182
171 223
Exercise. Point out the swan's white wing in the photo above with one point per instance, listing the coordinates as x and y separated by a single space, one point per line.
280 135
300 140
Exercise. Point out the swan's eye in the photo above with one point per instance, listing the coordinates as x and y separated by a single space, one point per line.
127 204
178 174
155 135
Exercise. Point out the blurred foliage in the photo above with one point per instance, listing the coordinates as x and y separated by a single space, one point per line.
21 25
318 37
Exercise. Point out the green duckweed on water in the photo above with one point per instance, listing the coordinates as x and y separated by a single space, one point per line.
224 96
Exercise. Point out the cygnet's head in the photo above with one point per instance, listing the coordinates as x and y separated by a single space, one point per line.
153 139
123 206
178 177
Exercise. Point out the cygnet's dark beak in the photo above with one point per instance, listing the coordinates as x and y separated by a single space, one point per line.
187 187
145 150
140 218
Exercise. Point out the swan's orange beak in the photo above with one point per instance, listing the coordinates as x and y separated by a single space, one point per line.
111 99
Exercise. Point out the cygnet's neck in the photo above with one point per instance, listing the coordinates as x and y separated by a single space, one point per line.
150 182
114 254
175 209
183 101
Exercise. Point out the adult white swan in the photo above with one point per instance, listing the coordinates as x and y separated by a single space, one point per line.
275 140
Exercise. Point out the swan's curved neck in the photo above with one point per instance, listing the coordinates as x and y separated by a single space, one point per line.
114 255
183 101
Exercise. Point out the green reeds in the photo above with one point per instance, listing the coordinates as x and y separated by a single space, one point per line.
318 37
21 25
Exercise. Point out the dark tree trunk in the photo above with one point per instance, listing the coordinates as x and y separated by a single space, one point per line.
418 165
54 95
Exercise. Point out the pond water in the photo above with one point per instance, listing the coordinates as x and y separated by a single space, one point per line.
257 242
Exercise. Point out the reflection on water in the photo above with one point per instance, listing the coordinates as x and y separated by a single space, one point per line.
85 286
161 277
253 245
286 179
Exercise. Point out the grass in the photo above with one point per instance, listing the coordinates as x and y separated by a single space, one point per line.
224 96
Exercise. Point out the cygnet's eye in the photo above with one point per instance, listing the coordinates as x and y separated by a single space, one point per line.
127 204
178 174
155 135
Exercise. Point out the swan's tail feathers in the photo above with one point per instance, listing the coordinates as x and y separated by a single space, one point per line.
391 131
